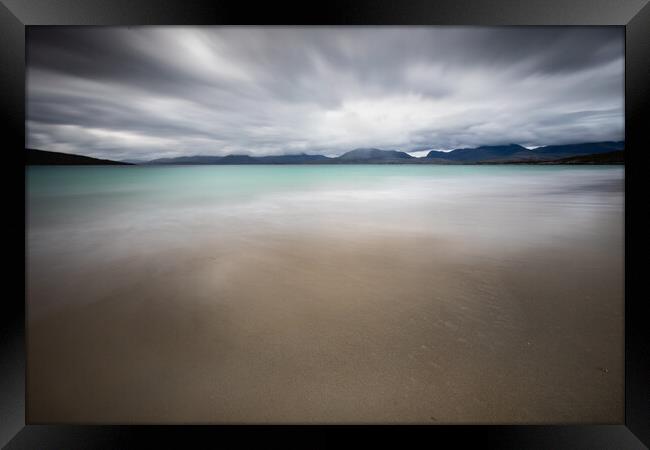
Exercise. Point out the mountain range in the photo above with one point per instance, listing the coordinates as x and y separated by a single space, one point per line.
516 153
488 154
484 154
241 159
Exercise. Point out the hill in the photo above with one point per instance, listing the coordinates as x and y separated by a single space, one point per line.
374 155
44 158
617 157
565 151
242 159
483 153
587 153
516 153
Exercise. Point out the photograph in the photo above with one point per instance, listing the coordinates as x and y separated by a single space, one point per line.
325 224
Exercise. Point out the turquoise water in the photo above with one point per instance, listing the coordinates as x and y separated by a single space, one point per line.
81 187
60 198
216 181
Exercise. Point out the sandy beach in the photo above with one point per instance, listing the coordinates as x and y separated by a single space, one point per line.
337 321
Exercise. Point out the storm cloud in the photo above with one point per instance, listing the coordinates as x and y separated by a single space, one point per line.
150 92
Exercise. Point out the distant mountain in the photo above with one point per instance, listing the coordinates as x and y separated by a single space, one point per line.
237 159
487 154
517 153
484 153
198 159
360 155
564 151
617 157
243 159
44 158
510 153
367 155
294 159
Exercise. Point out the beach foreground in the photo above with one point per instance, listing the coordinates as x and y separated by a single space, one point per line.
325 295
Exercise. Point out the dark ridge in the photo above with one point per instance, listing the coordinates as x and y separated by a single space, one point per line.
489 154
44 158
374 154
242 159
616 157
563 151
198 159
516 153
293 159
482 153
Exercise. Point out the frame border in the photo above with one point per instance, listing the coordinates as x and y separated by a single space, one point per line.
15 15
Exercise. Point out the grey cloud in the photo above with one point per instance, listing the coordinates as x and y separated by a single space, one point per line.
147 92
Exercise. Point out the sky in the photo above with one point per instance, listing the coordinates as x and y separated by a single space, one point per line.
154 92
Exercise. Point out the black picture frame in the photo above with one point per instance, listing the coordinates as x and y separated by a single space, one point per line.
16 15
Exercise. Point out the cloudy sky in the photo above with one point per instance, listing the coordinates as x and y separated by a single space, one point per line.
150 92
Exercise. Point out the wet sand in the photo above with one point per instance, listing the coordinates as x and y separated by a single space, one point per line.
336 325
413 330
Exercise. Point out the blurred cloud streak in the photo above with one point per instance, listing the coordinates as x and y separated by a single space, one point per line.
150 92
